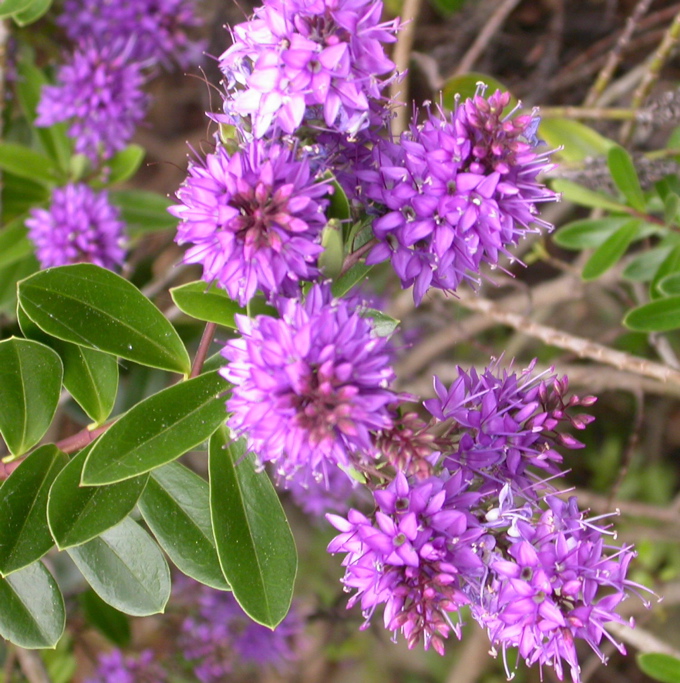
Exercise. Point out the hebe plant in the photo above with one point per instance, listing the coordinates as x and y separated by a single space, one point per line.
304 190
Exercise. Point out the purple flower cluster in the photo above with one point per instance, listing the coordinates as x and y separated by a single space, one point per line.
80 226
316 62
457 192
220 638
157 27
254 219
115 667
99 92
309 388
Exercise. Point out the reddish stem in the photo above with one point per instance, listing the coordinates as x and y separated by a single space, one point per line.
204 345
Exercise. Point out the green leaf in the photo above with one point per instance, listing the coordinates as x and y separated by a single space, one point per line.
383 324
24 534
19 195
176 507
204 301
671 206
585 197
76 514
30 383
126 568
661 315
642 268
125 164
448 7
669 285
9 276
466 86
91 306
9 7
339 207
588 233
111 622
143 211
349 279
90 376
158 430
27 163
254 542
670 266
625 176
32 13
578 141
32 611
332 257
610 251
14 242
659 666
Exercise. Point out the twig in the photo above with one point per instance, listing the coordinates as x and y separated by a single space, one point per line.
356 255
651 75
614 57
399 89
491 27
203 346
32 666
84 437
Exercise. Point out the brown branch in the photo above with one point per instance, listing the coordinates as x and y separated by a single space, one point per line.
355 256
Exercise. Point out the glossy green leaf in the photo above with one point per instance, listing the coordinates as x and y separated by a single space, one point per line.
176 507
158 430
30 383
14 242
204 301
610 251
108 620
32 13
254 542
32 611
625 176
356 274
90 376
126 568
27 163
588 233
91 306
578 141
466 86
77 514
585 197
143 211
24 534
662 315
670 266
670 285
9 7
125 164
659 666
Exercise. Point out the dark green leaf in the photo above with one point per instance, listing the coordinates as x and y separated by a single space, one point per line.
204 301
158 430
125 164
14 242
176 507
661 315
8 7
670 265
356 274
126 568
659 666
254 542
670 285
27 163
112 623
32 13
588 233
91 306
143 211
19 195
32 611
466 86
24 534
625 176
339 207
30 383
77 514
610 251
585 197
578 141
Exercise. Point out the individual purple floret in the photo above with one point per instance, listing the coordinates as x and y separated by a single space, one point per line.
99 92
457 192
415 556
317 61
254 219
80 226
220 638
505 424
158 27
311 387
115 667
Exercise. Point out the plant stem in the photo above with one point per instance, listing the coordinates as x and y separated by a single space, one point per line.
204 345
83 438
353 258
